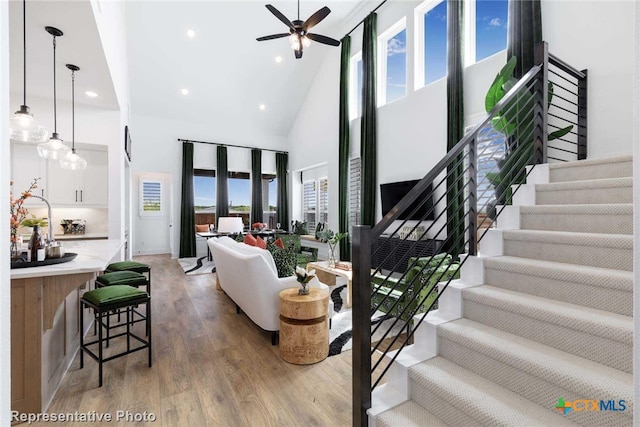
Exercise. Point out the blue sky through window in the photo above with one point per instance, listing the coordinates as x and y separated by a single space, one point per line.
239 192
273 192
435 43
491 27
204 191
397 66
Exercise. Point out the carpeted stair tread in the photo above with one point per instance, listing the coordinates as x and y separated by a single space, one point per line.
606 167
596 218
589 191
588 320
484 401
587 209
599 288
588 184
613 251
408 414
580 375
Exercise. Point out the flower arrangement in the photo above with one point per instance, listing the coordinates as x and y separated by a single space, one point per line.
18 213
328 236
304 277
33 221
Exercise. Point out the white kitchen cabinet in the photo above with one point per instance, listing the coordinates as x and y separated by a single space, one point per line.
87 188
26 165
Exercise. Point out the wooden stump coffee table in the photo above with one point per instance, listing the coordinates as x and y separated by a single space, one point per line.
304 328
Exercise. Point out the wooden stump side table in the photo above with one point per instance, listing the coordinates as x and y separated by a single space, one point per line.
304 328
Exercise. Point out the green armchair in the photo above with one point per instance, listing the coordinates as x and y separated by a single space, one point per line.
304 254
416 286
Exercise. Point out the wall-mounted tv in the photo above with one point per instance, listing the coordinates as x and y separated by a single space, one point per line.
391 194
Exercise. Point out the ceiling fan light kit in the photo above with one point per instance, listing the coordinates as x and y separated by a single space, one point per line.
299 36
54 149
22 126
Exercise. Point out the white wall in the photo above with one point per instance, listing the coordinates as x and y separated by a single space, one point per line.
636 217
156 149
412 130
5 162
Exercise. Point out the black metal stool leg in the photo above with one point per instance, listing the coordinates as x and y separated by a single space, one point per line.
81 334
100 351
149 328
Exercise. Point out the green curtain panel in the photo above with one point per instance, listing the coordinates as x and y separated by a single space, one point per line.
368 122
222 176
256 186
525 32
282 215
187 213
455 124
343 149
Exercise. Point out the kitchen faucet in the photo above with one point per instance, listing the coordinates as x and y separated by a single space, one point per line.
51 241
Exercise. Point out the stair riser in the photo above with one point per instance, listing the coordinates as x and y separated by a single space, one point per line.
600 171
530 385
608 224
444 407
585 196
608 352
601 298
595 256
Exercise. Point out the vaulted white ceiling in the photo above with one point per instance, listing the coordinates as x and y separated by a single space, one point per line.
227 72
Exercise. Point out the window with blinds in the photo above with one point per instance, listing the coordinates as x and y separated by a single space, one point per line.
323 200
309 203
151 203
354 191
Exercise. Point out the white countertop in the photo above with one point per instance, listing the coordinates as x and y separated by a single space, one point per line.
93 256
85 236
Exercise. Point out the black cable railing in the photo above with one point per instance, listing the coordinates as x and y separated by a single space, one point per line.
402 267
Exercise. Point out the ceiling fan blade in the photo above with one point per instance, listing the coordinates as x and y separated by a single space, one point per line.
323 39
273 36
316 18
280 16
298 53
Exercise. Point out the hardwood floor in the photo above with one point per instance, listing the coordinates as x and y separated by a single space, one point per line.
211 367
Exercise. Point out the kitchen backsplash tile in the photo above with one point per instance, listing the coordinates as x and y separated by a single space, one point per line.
97 219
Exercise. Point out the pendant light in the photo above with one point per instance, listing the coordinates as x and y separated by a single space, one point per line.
22 126
72 161
54 149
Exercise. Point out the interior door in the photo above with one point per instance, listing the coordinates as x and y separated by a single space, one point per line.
153 221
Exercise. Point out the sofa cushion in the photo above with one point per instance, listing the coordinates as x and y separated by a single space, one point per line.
250 240
261 243
285 259
279 243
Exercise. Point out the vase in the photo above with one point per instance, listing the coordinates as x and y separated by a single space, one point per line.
332 256
304 288
14 251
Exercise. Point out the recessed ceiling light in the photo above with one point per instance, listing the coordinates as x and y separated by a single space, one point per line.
278 59
262 107
191 33
184 91
90 94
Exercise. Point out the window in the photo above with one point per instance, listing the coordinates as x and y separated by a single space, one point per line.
151 200
323 200
204 196
431 42
355 86
315 202
491 148
270 199
354 192
392 80
240 195
490 27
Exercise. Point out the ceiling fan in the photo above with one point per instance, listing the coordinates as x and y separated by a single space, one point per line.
299 35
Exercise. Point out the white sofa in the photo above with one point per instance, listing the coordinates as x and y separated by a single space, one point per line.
248 275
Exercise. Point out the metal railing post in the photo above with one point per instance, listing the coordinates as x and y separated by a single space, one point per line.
473 190
540 110
582 117
361 357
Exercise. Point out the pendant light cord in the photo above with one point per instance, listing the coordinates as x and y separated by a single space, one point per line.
24 52
73 111
55 116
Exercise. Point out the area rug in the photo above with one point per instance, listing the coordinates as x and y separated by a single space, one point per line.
341 330
193 266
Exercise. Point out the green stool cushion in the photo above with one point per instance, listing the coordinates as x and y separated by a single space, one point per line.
130 278
138 267
113 295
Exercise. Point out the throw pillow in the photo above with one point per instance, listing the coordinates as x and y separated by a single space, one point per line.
202 228
261 243
285 259
279 243
240 238
250 240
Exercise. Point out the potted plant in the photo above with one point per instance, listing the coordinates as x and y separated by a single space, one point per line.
331 238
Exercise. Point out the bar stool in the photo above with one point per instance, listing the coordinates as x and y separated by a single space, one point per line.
135 266
129 278
103 301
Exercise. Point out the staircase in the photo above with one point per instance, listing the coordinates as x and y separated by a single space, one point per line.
543 313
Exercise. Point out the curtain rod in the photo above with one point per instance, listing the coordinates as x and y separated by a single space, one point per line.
360 23
232 145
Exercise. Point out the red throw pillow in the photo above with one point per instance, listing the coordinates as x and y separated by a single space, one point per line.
250 240
261 243
279 243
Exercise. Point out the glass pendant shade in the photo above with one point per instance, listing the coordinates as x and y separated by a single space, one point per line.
53 149
73 162
23 127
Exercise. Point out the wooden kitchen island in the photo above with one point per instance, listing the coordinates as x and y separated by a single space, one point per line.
45 324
